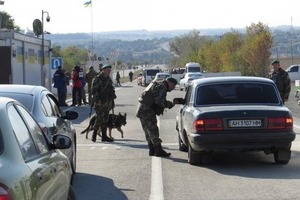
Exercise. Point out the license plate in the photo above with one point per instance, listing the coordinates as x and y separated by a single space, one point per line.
245 123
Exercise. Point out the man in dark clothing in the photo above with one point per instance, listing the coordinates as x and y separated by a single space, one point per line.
152 102
89 78
103 99
118 77
60 82
282 80
130 76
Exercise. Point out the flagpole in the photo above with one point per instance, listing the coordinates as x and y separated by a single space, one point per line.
92 32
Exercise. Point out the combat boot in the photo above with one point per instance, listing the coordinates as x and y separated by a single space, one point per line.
151 149
94 135
105 138
159 152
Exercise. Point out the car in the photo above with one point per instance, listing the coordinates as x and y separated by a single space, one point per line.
161 76
31 166
235 113
149 75
188 77
44 107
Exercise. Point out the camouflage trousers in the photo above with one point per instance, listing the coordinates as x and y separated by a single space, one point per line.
151 130
102 113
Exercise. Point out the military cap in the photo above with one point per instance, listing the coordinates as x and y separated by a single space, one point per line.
275 62
91 67
106 66
172 80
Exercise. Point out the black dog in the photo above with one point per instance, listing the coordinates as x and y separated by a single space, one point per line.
114 121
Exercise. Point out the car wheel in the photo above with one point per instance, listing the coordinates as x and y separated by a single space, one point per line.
71 193
282 156
194 158
182 146
73 161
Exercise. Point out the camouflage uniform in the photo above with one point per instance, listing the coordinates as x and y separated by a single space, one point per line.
283 83
89 78
154 94
104 93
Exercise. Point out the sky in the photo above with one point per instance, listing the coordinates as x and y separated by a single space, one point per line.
71 16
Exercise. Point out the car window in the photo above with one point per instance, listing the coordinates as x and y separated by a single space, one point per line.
234 93
294 69
36 131
25 99
25 141
55 106
46 107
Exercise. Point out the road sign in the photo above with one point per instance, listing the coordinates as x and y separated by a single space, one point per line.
55 62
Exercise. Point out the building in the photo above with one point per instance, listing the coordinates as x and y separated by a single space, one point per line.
21 59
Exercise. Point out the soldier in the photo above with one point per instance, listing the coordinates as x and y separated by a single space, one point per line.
152 102
282 80
103 101
89 78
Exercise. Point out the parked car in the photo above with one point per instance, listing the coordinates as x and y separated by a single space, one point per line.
188 77
45 108
234 113
294 72
30 165
161 76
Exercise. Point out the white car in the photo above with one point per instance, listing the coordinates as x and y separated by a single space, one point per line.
162 76
188 77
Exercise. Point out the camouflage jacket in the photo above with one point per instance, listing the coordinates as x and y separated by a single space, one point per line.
90 75
282 81
103 90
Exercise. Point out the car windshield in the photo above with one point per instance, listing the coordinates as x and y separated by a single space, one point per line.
163 76
152 72
236 93
25 99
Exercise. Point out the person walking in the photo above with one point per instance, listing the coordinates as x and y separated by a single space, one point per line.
130 76
77 87
89 78
118 77
60 83
282 80
152 102
103 99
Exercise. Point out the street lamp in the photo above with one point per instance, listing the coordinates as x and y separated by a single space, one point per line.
48 20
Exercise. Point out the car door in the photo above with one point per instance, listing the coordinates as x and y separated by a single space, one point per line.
182 111
50 176
294 73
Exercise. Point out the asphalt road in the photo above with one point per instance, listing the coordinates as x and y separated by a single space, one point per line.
123 170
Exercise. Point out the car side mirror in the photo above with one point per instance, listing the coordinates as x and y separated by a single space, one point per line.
178 101
61 142
70 115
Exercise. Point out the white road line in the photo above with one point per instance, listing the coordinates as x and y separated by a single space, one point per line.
157 191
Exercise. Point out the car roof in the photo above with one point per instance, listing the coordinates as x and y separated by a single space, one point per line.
18 88
228 79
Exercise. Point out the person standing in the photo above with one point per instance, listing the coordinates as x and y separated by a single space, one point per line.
282 80
130 76
60 82
77 87
89 78
152 102
103 99
118 77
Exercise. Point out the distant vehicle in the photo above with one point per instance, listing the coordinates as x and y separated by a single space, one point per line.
149 75
31 167
294 72
44 107
192 67
162 76
188 77
178 74
234 114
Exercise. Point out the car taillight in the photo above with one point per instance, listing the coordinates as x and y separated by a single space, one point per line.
280 123
4 193
208 125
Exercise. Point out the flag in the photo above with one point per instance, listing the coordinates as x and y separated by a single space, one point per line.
88 3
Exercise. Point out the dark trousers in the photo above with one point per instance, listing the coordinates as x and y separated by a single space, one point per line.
76 95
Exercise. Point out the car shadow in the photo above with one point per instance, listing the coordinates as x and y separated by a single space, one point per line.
89 186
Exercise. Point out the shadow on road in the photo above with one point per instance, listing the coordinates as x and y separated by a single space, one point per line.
93 187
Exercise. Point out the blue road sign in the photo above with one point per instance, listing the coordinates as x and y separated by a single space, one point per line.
55 62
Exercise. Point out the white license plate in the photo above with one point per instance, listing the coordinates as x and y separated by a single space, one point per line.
245 123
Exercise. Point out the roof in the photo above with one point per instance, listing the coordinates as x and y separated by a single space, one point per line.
232 79
18 88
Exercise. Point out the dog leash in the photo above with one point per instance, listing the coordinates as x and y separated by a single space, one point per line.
113 116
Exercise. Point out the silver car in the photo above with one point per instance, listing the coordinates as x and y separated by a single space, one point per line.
44 107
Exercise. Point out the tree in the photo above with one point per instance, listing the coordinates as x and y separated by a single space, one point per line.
6 21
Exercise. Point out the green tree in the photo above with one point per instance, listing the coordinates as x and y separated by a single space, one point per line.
74 56
6 21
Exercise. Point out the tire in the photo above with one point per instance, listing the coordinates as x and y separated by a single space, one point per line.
282 156
71 193
74 152
194 158
182 146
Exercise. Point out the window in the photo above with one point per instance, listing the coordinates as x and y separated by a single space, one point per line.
46 107
22 134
